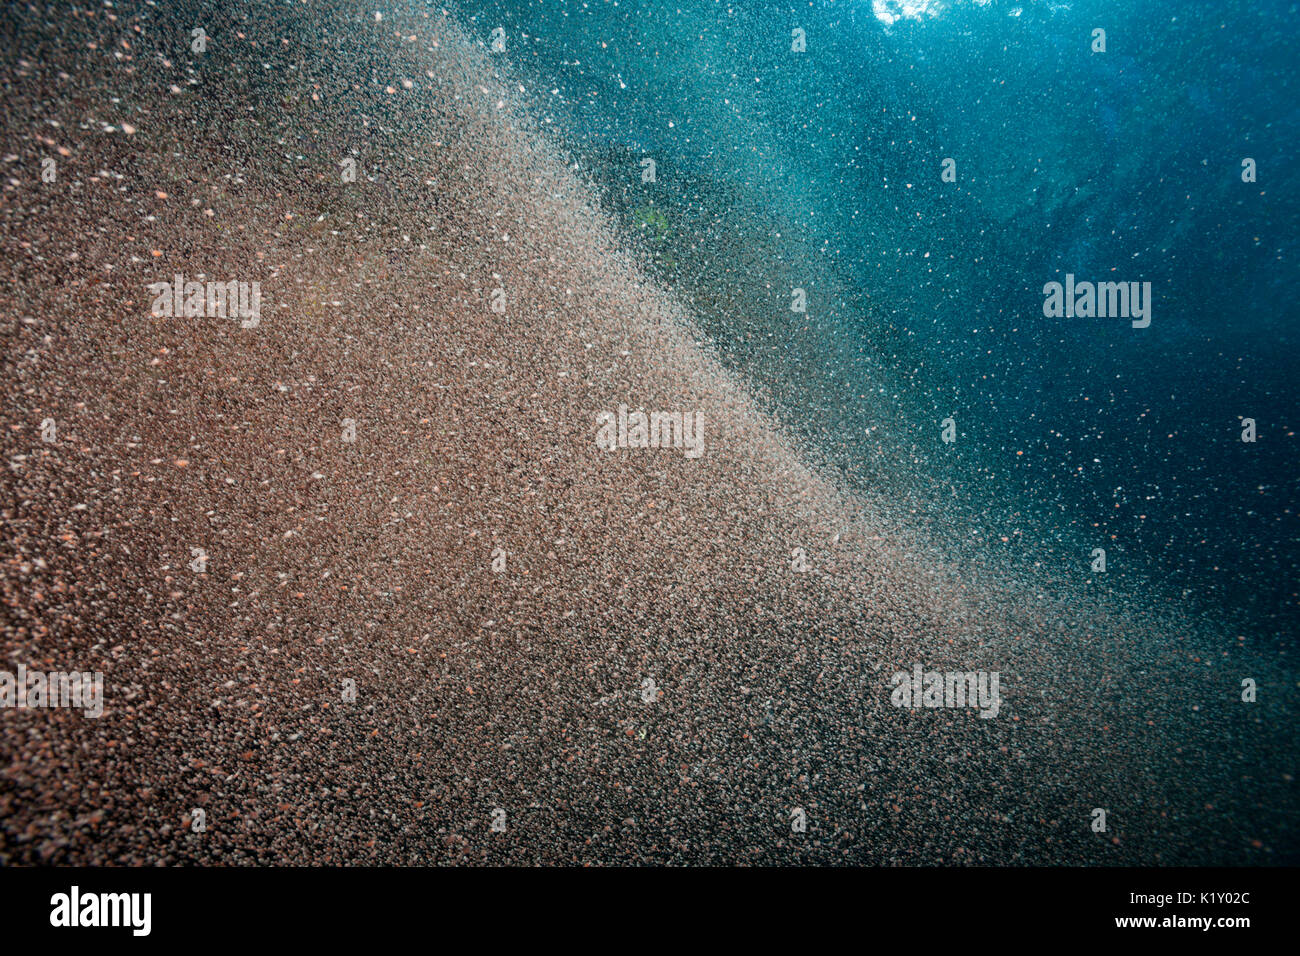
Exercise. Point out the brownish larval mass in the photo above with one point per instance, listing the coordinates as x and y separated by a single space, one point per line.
385 481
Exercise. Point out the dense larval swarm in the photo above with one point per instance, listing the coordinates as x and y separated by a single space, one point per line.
370 556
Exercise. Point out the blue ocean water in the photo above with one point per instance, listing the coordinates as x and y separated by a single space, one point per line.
926 296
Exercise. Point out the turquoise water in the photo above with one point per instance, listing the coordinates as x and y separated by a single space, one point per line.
925 296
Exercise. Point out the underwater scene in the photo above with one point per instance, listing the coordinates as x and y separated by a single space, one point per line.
852 432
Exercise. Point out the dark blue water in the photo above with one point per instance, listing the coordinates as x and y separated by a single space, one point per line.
926 297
